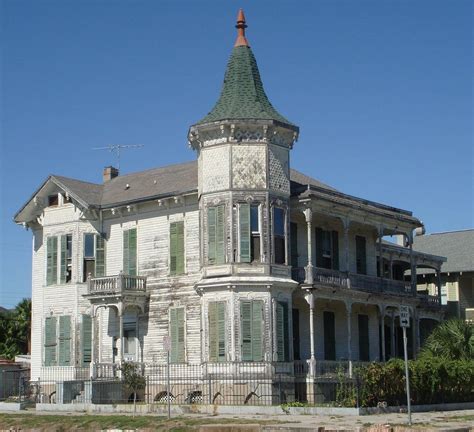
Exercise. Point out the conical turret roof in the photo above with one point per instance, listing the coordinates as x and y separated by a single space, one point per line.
242 96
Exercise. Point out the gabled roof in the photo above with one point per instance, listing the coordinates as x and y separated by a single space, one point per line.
456 246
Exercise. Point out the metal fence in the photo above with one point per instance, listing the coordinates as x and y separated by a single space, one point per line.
15 384
239 383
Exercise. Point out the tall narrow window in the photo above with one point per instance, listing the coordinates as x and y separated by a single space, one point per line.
64 340
177 248
217 332
294 244
94 256
216 234
279 242
327 249
52 261
296 334
282 331
130 252
66 258
361 255
130 338
364 353
177 335
50 341
329 336
251 319
249 228
86 339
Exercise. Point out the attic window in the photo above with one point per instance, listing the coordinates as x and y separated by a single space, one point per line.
53 200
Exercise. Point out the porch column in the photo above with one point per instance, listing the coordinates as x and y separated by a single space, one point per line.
380 235
392 335
412 265
438 282
382 329
349 334
120 312
308 214
345 223
310 300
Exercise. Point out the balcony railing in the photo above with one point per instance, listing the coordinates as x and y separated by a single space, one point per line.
116 284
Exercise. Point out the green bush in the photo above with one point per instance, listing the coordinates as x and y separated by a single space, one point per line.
432 380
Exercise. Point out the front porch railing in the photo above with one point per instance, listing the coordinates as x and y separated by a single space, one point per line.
115 284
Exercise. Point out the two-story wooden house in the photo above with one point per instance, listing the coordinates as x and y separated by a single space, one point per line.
235 257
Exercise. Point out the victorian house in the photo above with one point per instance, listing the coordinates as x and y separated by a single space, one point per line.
232 258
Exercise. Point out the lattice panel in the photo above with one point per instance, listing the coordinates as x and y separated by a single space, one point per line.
215 169
248 167
279 173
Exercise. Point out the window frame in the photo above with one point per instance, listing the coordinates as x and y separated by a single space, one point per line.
97 237
279 236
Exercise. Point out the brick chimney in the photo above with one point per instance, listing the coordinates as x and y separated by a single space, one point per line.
109 173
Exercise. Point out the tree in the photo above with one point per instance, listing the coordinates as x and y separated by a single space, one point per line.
15 330
133 379
451 340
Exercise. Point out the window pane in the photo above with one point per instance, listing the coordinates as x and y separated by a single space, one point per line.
254 218
278 221
69 246
89 246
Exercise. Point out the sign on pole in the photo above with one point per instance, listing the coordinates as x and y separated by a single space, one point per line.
405 323
404 317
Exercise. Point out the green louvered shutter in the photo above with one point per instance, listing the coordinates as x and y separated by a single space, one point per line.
86 339
99 256
177 335
282 331
64 340
335 250
220 235
130 252
52 261
63 255
244 228
211 233
50 341
221 331
246 329
213 332
319 247
126 255
177 248
257 330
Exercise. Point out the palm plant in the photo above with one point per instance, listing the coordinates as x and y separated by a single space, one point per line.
451 340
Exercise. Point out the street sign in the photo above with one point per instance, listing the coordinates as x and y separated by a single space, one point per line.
404 316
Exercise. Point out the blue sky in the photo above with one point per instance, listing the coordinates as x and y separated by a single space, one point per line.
381 90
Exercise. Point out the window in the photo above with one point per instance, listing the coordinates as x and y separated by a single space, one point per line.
216 235
251 320
327 249
130 252
57 344
94 256
249 231
279 243
176 332
296 334
363 337
282 331
294 244
86 339
64 257
53 200
129 338
177 248
329 336
217 332
361 255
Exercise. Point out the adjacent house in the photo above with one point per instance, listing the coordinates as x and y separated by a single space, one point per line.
235 258
457 273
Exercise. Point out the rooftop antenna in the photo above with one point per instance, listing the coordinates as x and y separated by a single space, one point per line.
116 148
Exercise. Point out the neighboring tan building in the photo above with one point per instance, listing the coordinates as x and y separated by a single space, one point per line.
235 257
457 273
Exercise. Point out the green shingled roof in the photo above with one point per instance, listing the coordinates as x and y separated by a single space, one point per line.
243 96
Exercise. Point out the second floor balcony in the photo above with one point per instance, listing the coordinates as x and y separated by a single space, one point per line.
116 285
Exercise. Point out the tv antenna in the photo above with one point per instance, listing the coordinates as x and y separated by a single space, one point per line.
116 148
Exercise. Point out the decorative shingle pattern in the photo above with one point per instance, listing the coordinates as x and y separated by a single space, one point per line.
248 167
279 172
215 162
242 95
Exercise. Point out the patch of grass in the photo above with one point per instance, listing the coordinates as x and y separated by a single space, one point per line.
464 417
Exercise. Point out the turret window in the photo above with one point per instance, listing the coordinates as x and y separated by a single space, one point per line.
249 232
279 242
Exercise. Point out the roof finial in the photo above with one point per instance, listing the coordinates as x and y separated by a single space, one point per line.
241 26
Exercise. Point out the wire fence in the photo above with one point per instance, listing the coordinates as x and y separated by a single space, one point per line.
239 383
14 384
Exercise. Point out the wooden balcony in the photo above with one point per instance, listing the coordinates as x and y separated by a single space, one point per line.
116 285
